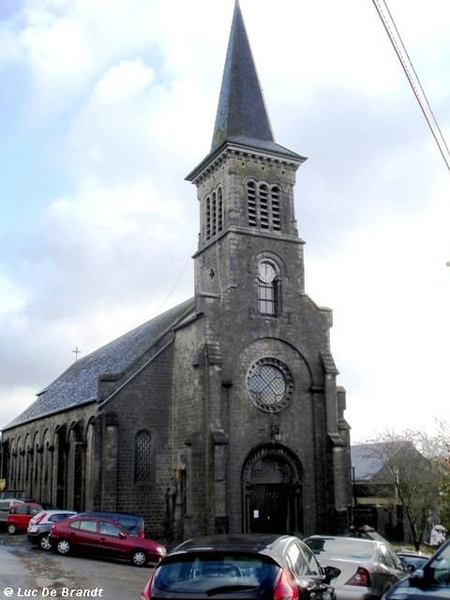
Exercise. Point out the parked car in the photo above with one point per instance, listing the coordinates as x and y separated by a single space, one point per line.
4 509
39 526
134 524
412 560
19 516
430 582
268 567
103 537
368 567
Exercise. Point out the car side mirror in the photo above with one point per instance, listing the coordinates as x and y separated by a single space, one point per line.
331 573
122 536
418 578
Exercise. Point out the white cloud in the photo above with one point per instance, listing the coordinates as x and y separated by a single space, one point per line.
121 96
12 297
391 290
122 83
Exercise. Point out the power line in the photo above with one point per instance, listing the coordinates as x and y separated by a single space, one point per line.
413 79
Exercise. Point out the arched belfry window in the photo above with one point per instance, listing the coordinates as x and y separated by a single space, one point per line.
263 206
213 214
142 457
268 288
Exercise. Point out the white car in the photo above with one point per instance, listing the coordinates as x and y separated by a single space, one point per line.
368 567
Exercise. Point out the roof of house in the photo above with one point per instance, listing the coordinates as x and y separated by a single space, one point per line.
366 461
78 384
369 460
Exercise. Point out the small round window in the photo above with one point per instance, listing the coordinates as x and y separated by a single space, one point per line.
270 384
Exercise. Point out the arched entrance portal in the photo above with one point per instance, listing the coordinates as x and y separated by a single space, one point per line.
272 491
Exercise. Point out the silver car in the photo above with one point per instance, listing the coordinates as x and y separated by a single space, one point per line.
40 525
368 567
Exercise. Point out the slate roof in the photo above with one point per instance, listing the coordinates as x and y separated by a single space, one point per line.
368 460
241 109
241 117
241 114
78 384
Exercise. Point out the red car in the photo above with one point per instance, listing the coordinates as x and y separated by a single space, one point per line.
103 537
19 516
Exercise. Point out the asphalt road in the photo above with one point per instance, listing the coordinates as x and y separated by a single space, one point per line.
28 572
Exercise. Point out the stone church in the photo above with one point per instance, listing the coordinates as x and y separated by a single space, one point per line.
223 414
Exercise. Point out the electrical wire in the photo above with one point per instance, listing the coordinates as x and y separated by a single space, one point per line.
413 79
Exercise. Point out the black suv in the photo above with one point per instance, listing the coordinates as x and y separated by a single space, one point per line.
253 566
132 523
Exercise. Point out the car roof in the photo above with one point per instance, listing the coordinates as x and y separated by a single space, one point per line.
106 513
339 546
57 511
344 538
269 544
85 517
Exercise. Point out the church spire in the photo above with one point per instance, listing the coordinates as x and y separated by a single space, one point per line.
241 114
242 120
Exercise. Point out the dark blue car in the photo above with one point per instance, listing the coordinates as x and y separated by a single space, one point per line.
430 582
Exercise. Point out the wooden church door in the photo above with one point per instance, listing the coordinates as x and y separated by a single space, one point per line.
272 492
269 508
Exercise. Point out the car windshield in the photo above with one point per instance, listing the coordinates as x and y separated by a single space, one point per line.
213 572
345 547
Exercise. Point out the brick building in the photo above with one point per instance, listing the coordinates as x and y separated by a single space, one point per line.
223 413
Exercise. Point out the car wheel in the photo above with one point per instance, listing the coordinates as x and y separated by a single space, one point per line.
44 543
12 529
139 558
63 547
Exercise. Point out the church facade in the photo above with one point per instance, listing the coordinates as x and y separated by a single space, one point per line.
222 414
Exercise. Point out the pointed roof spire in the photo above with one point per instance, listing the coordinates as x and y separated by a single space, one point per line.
241 111
242 118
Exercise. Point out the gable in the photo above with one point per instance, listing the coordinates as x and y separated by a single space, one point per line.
366 461
369 461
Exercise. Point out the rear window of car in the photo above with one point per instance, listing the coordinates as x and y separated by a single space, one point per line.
197 573
60 516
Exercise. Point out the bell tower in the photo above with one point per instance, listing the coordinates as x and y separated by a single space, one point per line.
245 189
275 439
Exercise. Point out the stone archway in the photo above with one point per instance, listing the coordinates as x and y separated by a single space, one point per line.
272 491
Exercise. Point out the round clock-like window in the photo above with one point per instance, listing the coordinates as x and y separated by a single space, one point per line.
270 384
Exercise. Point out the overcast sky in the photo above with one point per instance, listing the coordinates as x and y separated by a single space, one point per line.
105 107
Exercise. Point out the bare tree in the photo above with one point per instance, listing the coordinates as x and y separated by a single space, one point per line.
443 435
412 466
